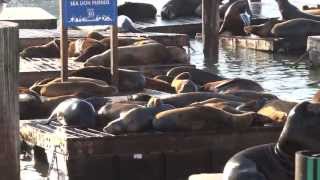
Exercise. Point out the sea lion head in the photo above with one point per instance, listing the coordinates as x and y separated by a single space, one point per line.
262 30
301 130
75 112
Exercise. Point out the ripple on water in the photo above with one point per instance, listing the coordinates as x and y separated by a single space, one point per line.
272 71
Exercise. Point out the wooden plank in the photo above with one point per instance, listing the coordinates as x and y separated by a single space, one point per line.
29 17
32 37
9 127
257 43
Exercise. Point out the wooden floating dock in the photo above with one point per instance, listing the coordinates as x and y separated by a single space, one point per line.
29 17
32 37
141 156
313 49
264 44
35 69
184 25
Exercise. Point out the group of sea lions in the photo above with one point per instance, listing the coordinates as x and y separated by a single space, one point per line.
194 100
94 50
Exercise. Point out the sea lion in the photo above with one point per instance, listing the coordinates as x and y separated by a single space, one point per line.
133 55
289 11
182 83
179 8
137 11
316 97
164 78
197 118
74 112
178 54
232 21
200 77
251 95
77 47
95 35
277 110
262 30
104 44
28 102
126 25
49 50
129 80
236 84
135 120
184 99
112 111
296 28
159 85
276 160
68 88
139 97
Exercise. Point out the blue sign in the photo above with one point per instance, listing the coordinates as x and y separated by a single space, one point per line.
89 12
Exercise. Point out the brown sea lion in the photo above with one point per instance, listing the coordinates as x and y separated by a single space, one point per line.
95 35
182 83
49 50
68 88
129 80
232 21
235 84
262 30
178 54
316 97
277 110
137 11
103 45
159 85
200 77
296 28
197 118
252 95
77 47
179 8
135 120
154 53
289 11
112 111
184 99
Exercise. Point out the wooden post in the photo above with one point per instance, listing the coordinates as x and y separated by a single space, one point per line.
114 55
63 46
9 118
210 25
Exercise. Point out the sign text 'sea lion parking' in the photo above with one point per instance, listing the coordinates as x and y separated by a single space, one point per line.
89 12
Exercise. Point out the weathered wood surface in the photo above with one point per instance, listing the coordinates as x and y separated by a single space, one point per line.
9 126
210 26
257 43
34 69
184 25
183 153
29 17
32 37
